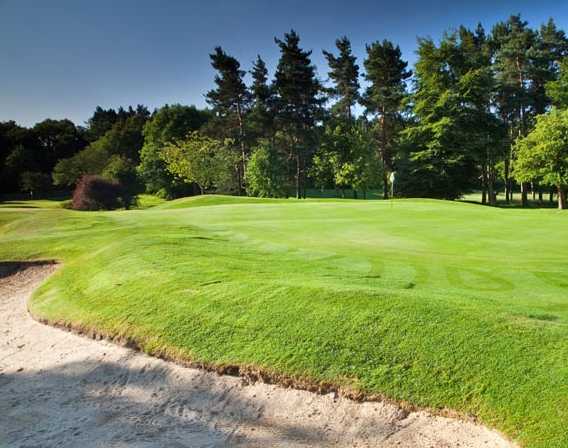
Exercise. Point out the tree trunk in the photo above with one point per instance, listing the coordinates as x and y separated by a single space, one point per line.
491 192
385 156
242 168
551 196
484 184
491 181
508 193
561 197
298 187
524 196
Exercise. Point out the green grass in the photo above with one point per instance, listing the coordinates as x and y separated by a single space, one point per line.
147 200
437 303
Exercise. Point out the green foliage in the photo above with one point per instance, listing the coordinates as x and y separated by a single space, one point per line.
100 123
230 101
123 141
35 150
91 160
208 162
230 98
298 104
473 95
384 98
123 170
543 154
266 173
344 72
346 158
558 90
260 119
168 124
524 62
386 71
550 48
35 183
455 132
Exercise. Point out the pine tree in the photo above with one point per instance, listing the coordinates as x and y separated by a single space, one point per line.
261 117
386 72
550 48
557 90
455 134
344 72
230 101
298 103
513 42
476 88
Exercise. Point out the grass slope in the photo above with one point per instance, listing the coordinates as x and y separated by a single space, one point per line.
436 303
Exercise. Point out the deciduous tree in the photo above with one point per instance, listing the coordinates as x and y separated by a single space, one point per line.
543 154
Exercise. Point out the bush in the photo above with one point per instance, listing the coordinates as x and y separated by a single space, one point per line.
264 173
97 193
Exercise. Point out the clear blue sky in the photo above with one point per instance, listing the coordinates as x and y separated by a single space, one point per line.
61 58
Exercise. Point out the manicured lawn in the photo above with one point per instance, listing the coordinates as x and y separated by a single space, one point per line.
436 303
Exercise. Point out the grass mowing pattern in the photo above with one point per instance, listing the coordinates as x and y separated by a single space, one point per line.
437 303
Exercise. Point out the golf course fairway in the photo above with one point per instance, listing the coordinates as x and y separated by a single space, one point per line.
443 305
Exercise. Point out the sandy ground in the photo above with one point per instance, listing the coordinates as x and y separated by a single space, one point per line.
59 389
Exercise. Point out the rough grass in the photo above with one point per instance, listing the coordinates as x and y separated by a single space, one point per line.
435 303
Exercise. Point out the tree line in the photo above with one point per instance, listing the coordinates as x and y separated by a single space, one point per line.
480 111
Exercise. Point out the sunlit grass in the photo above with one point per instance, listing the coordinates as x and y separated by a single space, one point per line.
437 303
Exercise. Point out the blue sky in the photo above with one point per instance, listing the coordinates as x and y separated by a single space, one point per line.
61 58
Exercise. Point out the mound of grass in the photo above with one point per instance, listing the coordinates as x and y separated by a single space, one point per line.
208 200
434 303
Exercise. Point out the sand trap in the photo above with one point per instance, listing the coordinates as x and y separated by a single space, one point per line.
59 389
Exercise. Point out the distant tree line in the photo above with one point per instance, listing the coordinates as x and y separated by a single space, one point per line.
481 111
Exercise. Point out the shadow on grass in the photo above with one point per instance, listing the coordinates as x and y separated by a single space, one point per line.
9 268
16 204
516 204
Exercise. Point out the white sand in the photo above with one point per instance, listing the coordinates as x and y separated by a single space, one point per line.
59 389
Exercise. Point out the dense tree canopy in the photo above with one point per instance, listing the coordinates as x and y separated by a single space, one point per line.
208 162
466 118
168 124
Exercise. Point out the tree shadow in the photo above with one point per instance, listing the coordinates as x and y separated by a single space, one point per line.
9 268
91 403
16 204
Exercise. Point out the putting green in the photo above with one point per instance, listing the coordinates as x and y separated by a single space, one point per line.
437 303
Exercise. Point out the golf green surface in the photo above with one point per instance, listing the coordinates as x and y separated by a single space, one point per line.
440 304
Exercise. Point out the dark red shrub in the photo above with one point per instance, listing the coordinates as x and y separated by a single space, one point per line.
97 193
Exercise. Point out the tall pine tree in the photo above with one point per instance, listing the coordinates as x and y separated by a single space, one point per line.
230 101
344 72
513 42
455 133
386 73
261 117
298 104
